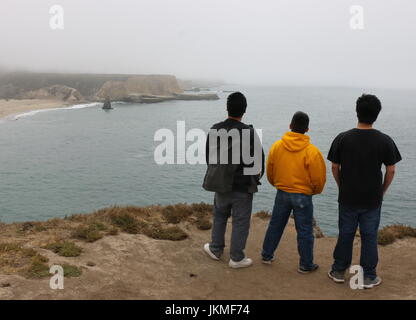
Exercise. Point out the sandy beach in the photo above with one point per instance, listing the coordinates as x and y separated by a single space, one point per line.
14 106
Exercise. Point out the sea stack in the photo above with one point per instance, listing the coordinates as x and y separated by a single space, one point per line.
107 104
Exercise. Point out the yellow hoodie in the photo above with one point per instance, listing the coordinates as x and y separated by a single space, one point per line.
295 165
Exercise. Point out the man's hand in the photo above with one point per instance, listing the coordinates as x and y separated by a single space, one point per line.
336 168
388 177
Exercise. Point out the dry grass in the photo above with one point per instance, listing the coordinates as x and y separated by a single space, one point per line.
113 231
203 224
177 213
86 233
173 233
126 222
151 221
157 222
389 234
18 241
317 232
15 259
264 215
37 268
30 227
202 207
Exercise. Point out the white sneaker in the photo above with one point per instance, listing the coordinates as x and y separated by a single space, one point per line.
268 261
209 252
246 262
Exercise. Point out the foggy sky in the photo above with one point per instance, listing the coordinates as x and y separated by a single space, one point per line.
264 42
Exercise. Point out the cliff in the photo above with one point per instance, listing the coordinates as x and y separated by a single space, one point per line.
15 84
77 88
161 85
156 253
90 86
57 92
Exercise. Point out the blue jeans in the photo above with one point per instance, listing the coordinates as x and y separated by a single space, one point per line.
302 208
349 219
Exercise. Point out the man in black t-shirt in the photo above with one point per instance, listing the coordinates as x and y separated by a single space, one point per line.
357 156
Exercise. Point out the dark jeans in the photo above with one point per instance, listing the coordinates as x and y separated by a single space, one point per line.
302 208
237 205
349 219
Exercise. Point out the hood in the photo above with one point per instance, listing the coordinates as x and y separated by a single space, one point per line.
294 142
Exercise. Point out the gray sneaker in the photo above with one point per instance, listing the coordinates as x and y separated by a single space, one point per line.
369 284
337 276
304 270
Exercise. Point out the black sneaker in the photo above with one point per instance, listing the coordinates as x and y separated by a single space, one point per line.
337 276
304 270
369 284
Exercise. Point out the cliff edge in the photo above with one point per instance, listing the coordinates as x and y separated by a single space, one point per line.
156 253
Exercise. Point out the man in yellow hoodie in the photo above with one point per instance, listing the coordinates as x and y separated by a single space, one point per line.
297 169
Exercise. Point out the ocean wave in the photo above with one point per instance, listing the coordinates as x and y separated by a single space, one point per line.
33 112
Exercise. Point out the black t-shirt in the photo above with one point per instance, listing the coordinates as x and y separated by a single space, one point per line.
361 153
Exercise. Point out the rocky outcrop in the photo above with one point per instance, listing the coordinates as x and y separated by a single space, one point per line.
157 85
206 96
60 92
193 85
146 98
107 104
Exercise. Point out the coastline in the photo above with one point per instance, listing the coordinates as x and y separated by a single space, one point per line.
38 91
15 107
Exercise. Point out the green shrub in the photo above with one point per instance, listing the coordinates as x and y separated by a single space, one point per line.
65 248
37 268
71 271
87 233
170 233
126 223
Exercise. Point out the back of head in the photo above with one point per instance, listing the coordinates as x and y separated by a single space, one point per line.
368 107
236 104
300 122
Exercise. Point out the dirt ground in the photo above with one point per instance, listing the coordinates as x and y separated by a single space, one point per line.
136 267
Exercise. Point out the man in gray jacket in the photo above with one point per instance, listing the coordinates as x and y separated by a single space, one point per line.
235 161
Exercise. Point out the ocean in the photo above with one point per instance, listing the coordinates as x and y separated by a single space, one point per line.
75 160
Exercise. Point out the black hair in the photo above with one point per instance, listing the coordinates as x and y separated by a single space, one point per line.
236 104
300 122
368 107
